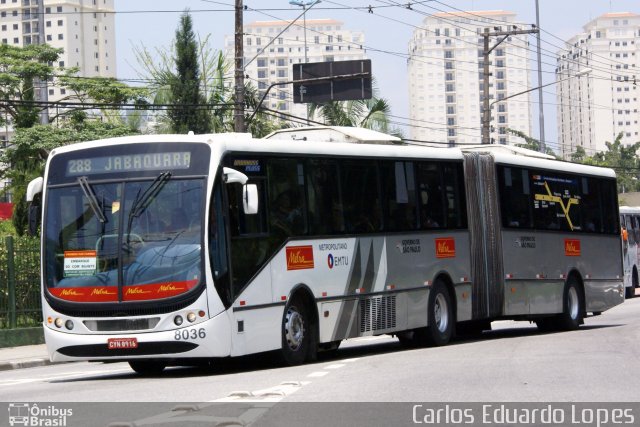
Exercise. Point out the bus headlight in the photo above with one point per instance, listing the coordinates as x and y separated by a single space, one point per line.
58 322
191 317
178 320
68 324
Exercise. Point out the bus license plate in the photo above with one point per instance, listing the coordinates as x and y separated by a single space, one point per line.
122 343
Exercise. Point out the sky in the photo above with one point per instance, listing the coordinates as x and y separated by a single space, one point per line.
152 23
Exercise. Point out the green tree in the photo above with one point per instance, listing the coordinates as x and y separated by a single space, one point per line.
30 149
623 160
21 67
367 113
530 143
188 112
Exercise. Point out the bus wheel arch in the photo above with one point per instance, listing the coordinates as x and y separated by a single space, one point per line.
299 327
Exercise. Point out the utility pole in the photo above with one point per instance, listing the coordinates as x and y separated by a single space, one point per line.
43 90
541 105
486 51
239 70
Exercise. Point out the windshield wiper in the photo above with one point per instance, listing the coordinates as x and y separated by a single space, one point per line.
91 197
142 201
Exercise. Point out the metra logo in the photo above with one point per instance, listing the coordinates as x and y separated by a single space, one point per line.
136 291
572 247
169 288
101 291
446 247
70 293
299 257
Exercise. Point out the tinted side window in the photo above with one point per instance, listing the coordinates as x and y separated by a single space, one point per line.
430 196
360 196
515 197
323 197
287 210
399 196
455 198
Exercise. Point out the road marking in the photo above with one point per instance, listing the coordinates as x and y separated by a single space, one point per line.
57 377
317 374
335 366
271 394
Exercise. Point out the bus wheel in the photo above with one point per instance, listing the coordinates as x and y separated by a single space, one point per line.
147 368
296 333
440 316
573 313
630 292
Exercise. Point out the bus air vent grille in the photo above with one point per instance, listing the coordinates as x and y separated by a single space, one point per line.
377 313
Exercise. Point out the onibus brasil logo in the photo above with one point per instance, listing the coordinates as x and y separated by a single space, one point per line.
31 415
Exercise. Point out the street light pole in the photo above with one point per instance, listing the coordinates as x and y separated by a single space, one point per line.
304 5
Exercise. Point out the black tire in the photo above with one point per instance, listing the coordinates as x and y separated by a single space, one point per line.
630 292
147 368
296 333
441 317
573 307
546 324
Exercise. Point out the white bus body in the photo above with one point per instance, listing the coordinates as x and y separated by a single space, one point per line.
349 240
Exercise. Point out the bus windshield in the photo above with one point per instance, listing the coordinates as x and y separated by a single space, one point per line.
126 240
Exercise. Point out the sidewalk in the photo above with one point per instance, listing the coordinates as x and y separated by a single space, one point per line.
26 356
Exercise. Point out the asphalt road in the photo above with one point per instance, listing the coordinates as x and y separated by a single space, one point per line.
514 362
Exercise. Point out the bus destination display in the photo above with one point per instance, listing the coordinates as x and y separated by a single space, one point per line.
129 163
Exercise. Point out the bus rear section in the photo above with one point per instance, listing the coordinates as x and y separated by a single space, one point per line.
545 239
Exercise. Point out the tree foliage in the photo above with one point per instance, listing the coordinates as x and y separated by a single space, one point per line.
22 67
530 143
187 112
623 159
31 147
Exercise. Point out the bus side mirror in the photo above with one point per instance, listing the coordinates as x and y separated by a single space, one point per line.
33 215
250 199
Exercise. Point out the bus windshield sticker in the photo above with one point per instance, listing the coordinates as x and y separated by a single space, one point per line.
247 166
300 257
445 247
79 263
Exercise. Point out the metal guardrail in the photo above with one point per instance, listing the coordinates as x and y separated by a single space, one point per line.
20 304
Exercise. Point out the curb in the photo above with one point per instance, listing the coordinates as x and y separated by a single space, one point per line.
28 363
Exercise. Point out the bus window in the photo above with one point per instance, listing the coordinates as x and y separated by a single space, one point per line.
515 197
359 183
556 201
286 197
399 195
325 214
590 206
455 207
430 197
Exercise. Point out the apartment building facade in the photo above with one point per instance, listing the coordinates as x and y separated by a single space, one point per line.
271 49
445 77
84 29
597 91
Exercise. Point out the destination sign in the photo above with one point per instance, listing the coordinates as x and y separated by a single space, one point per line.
129 163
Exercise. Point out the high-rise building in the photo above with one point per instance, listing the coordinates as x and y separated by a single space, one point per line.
597 90
271 53
85 29
445 71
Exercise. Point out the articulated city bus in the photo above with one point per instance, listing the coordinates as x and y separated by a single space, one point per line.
168 247
630 221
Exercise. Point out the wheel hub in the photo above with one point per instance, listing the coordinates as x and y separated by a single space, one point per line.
294 329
